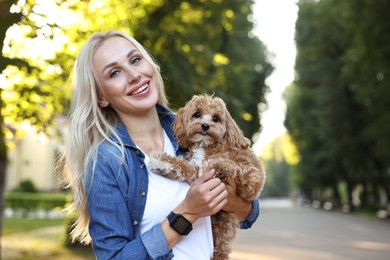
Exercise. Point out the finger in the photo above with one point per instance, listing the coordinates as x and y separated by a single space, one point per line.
213 184
218 189
221 201
205 177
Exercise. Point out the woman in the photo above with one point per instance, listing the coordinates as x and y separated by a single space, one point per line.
119 118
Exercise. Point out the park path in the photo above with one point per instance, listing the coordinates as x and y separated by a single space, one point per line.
288 232
283 232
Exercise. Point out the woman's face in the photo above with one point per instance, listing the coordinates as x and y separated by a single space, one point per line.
126 77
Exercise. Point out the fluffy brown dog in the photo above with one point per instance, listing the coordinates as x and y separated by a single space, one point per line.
205 127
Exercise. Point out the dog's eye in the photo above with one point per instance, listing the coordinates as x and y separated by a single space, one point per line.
196 115
215 119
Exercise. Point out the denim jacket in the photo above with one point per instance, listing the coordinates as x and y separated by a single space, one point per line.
117 193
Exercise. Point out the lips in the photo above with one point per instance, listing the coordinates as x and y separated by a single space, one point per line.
139 90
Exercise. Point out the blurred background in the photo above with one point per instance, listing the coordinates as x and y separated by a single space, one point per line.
308 81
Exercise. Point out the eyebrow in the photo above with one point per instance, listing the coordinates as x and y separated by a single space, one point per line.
112 64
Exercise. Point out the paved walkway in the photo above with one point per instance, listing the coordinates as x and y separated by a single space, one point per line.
284 231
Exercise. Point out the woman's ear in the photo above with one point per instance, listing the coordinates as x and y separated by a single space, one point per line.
102 102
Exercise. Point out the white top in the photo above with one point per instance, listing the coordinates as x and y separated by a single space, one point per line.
163 196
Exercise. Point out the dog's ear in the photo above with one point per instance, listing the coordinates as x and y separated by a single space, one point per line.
234 134
179 128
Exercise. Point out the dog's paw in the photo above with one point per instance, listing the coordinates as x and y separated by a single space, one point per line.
158 166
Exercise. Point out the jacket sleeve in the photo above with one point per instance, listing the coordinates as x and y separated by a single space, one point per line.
110 224
252 217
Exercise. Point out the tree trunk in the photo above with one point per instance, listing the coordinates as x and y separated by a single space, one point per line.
350 187
364 196
386 186
3 163
7 19
337 196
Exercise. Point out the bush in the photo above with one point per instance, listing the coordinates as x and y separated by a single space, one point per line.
24 203
26 186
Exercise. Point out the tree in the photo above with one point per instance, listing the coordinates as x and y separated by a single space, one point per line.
31 92
6 20
213 52
341 64
280 158
202 46
369 73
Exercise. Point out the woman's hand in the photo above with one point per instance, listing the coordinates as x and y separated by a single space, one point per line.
206 197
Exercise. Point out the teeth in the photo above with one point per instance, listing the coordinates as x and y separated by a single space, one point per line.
139 90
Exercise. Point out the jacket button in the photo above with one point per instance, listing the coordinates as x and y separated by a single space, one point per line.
142 194
142 166
135 223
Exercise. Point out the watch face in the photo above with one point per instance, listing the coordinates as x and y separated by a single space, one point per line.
181 224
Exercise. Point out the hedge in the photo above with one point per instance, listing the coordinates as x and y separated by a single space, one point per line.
24 203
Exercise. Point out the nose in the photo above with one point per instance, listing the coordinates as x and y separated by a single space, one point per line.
205 127
132 74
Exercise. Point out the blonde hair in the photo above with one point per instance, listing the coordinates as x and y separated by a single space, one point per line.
91 124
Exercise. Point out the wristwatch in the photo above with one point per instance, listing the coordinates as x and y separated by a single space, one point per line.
179 223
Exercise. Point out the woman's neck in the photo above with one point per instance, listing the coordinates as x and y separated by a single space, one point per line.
146 131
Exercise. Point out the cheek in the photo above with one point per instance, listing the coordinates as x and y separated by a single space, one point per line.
220 128
147 69
111 88
106 88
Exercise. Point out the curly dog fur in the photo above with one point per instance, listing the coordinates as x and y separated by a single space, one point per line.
205 127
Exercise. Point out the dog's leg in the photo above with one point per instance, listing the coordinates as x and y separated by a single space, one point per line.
249 183
176 168
225 226
225 168
250 180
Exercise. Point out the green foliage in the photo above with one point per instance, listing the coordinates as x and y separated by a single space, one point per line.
207 46
338 107
26 186
33 78
202 46
24 203
280 159
278 179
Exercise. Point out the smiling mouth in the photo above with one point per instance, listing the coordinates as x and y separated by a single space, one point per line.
142 88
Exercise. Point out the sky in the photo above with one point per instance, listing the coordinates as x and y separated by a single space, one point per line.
275 26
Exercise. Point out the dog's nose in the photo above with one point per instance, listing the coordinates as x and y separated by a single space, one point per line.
205 127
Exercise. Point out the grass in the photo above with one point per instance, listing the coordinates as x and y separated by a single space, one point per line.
14 225
28 239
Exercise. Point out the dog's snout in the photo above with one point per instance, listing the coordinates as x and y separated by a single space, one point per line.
205 127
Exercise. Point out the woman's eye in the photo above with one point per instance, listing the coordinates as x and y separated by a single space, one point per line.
196 115
114 73
215 119
135 60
